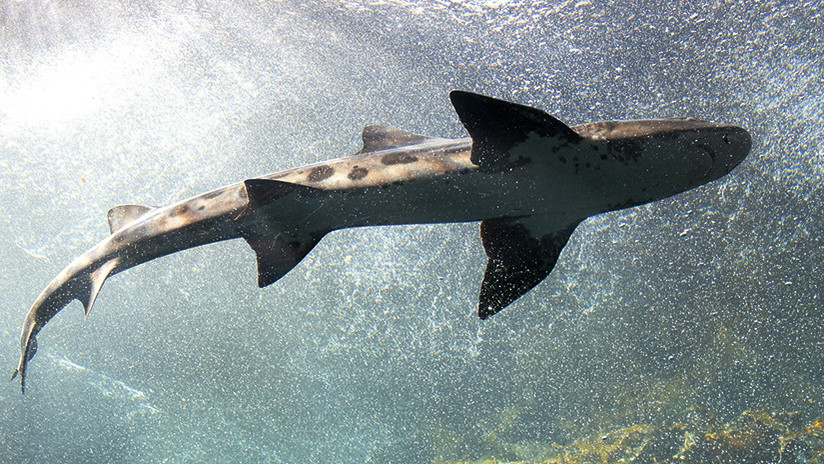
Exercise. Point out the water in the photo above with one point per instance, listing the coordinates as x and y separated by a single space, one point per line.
370 349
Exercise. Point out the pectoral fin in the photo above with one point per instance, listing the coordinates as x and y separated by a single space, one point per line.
522 252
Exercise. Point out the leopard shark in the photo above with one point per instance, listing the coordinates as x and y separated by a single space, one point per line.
528 177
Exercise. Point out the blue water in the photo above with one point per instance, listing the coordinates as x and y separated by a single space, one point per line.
370 350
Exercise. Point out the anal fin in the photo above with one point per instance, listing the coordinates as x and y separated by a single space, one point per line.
87 293
522 252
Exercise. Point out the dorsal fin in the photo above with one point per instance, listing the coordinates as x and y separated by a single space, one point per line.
497 125
377 138
121 215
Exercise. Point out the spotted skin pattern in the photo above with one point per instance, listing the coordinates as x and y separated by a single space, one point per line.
527 176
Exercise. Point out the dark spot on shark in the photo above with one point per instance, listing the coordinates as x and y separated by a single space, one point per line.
562 159
201 208
320 173
604 156
398 158
522 160
358 173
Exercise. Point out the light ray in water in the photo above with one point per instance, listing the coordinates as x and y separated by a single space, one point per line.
108 386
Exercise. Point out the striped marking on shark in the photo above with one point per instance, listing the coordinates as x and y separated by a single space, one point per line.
529 178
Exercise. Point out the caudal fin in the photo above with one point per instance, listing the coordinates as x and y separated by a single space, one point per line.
84 287
30 350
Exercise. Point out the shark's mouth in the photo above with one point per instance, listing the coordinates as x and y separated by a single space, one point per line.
708 150
704 163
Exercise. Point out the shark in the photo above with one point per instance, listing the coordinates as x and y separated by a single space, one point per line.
528 177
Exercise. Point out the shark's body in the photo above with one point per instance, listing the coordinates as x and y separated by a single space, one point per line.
528 177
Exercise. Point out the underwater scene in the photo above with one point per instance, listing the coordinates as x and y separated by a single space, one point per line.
687 329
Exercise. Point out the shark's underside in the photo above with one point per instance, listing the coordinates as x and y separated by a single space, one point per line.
528 177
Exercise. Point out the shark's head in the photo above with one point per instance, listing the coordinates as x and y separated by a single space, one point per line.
707 149
669 156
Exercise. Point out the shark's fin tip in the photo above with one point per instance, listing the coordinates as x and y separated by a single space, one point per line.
120 216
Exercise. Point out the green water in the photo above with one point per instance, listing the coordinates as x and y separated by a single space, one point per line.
370 350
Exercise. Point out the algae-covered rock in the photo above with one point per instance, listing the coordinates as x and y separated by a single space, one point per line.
755 437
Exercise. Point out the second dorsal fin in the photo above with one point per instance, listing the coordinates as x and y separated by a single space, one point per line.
121 215
377 138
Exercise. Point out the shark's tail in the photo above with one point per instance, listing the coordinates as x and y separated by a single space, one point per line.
76 282
279 248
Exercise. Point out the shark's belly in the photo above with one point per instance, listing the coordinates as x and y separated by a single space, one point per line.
456 197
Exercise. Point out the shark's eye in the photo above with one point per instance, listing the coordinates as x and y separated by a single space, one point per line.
725 139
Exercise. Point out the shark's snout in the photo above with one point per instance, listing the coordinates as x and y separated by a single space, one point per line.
733 148
741 141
